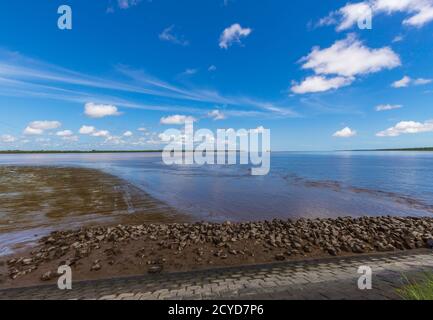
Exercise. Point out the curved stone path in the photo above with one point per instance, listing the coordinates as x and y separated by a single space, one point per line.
331 278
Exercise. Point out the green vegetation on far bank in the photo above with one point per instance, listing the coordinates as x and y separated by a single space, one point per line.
427 149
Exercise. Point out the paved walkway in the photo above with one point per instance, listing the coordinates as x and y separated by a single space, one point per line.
334 278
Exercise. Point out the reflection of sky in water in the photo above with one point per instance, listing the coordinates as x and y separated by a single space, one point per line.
347 183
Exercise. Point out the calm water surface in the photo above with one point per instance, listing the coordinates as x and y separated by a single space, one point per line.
299 184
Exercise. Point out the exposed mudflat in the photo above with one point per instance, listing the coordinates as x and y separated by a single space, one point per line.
37 200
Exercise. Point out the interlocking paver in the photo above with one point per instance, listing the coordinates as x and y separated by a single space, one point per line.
336 279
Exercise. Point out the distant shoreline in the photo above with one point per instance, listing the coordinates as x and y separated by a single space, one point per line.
425 149
74 151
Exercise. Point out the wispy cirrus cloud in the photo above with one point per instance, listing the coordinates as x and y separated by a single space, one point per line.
168 35
216 115
388 107
126 4
408 81
23 76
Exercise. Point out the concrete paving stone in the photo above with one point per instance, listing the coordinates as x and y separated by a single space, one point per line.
328 280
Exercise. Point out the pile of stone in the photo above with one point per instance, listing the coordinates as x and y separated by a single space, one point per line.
293 237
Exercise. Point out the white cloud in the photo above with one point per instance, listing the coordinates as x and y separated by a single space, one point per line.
32 131
421 81
212 68
405 127
64 133
7 138
71 138
420 12
38 127
352 13
424 16
189 72
216 115
176 119
398 38
387 107
114 140
175 138
345 133
128 134
406 81
232 34
126 4
94 110
142 129
345 60
168 35
349 57
259 129
101 133
87 130
320 84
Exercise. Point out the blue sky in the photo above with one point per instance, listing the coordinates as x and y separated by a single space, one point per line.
128 70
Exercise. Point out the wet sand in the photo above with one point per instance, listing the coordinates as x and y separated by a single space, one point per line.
37 200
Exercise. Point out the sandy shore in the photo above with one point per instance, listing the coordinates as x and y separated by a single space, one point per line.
104 252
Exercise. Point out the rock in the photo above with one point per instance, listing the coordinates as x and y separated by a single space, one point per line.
50 240
155 269
332 251
297 245
357 249
307 249
280 257
96 266
430 243
47 276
